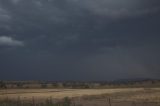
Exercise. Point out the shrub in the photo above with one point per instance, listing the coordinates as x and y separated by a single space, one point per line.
2 84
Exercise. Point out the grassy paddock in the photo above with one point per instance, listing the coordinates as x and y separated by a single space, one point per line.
81 97
42 94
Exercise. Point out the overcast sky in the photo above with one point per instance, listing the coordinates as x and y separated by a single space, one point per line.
79 39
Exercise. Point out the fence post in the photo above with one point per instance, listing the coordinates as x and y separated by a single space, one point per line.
18 101
51 103
109 101
33 101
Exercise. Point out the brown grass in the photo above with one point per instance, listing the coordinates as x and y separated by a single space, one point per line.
127 94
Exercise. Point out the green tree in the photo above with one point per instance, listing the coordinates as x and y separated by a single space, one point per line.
19 85
3 84
43 85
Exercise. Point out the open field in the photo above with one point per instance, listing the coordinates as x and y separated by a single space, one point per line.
58 93
88 97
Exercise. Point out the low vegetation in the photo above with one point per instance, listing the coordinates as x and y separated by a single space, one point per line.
49 102
35 93
79 85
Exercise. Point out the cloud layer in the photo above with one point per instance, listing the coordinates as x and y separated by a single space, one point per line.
9 41
93 39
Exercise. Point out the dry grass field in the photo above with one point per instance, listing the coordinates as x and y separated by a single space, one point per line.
88 97
59 93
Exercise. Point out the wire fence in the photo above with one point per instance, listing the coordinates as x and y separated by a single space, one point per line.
81 102
110 102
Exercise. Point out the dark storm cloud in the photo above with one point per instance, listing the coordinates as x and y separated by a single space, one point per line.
89 38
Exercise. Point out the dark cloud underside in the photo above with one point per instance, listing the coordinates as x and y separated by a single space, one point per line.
79 39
